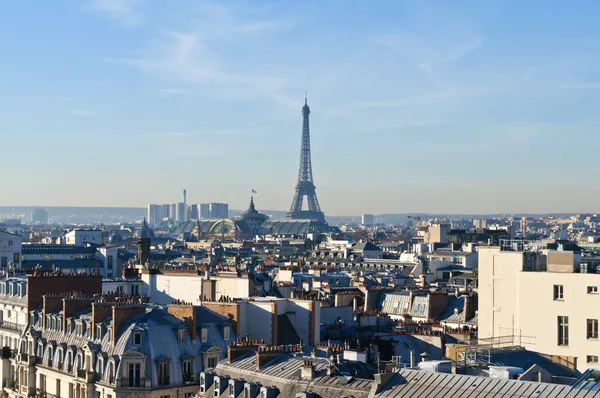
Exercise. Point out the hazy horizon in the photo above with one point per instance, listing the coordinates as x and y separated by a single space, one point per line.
424 107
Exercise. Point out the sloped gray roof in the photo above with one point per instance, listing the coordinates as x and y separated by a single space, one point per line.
419 384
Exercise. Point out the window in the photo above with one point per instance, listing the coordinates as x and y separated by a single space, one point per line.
592 359
187 368
563 330
592 328
10 242
16 258
558 292
181 335
204 334
109 262
58 387
4 262
163 373
134 375
231 390
226 333
592 289
212 362
137 338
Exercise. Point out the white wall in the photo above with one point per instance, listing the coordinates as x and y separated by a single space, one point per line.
80 237
9 246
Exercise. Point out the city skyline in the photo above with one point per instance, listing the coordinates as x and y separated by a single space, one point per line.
418 108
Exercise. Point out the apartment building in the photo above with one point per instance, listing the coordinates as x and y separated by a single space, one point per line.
542 301
86 346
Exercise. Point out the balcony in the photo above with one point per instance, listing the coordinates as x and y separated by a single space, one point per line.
133 383
86 375
15 327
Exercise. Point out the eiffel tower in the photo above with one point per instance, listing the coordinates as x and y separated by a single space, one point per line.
305 185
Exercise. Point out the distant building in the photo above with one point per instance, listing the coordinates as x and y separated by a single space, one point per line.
166 211
219 210
194 214
437 233
173 212
10 250
205 210
39 216
154 214
368 219
79 237
180 212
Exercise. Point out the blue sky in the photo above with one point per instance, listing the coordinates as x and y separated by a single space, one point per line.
416 106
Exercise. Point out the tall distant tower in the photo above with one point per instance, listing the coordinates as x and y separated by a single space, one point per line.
185 209
305 185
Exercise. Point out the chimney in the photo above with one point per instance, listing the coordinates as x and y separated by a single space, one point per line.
187 313
50 304
308 370
331 367
240 347
469 307
100 311
121 314
266 354
412 358
72 306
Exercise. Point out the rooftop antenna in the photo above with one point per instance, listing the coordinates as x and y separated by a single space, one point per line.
305 98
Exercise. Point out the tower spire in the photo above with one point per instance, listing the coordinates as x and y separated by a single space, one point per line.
305 186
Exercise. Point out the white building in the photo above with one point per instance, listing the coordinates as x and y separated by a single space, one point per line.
79 237
367 219
542 302
10 250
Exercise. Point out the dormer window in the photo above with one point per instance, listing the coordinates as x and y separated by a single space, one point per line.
204 334
137 338
181 334
226 333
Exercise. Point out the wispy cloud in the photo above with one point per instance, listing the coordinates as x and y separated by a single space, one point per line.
81 112
125 11
194 56
426 55
451 95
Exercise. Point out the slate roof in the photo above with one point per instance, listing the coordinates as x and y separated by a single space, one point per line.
525 359
362 246
449 315
354 379
419 384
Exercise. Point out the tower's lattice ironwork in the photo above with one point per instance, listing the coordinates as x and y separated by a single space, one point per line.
305 186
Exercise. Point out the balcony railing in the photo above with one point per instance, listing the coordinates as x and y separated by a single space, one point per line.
132 383
11 326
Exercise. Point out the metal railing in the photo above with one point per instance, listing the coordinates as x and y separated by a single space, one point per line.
11 326
137 382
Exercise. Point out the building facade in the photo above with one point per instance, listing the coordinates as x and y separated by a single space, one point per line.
541 301
10 250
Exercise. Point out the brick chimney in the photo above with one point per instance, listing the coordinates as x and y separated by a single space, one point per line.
72 306
186 313
100 311
121 313
51 304
266 354
240 347
469 307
